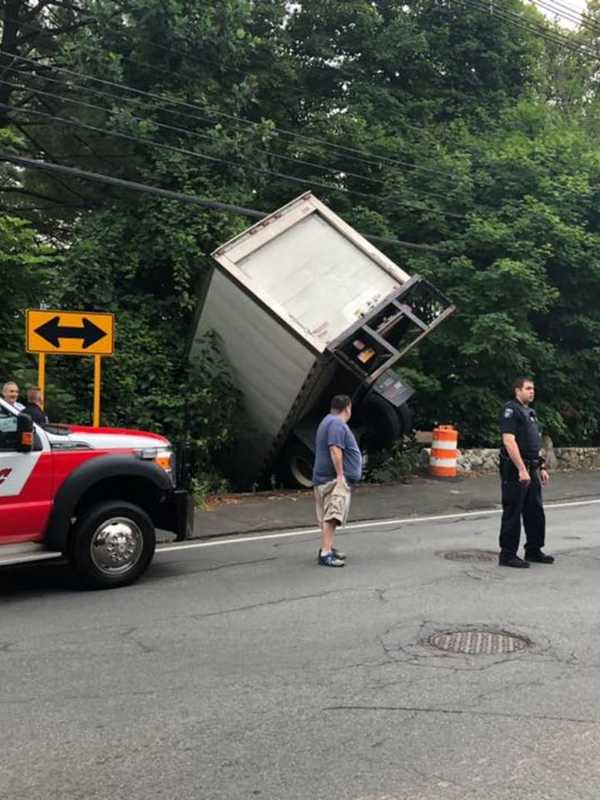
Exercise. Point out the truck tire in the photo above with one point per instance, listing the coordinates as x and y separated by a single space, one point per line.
112 544
382 424
296 464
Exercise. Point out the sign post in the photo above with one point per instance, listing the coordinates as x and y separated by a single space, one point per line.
42 374
97 382
71 333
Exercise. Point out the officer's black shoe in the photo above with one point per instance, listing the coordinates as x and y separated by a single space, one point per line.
512 560
537 557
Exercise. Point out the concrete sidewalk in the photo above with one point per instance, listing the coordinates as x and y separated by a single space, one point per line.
245 513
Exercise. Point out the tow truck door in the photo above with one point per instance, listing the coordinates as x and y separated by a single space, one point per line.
25 484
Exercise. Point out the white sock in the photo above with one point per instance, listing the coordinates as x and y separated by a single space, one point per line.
325 553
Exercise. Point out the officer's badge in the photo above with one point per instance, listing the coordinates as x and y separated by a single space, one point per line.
508 412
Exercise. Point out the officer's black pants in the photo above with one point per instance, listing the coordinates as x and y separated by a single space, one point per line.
521 499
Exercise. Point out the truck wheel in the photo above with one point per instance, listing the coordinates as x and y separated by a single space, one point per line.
296 465
382 424
112 544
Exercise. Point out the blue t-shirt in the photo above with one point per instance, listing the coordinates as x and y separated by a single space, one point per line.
333 431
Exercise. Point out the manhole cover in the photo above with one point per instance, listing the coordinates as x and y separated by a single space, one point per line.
470 555
478 643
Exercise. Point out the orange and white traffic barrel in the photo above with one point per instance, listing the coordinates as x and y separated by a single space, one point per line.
444 452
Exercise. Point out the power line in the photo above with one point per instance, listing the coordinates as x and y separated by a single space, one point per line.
190 55
560 11
345 77
354 152
518 21
205 136
538 29
181 197
514 17
216 159
569 15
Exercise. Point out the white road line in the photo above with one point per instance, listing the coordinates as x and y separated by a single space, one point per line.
216 542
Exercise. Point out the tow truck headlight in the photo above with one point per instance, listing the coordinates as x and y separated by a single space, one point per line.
163 457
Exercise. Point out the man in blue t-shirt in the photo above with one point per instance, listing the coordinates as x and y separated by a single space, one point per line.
338 465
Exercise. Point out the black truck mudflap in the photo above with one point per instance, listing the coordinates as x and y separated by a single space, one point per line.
176 514
184 514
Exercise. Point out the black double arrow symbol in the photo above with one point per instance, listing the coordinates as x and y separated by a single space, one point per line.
52 331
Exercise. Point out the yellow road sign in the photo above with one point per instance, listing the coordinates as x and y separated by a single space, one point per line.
75 333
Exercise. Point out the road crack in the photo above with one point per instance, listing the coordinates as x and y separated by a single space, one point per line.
464 712
267 603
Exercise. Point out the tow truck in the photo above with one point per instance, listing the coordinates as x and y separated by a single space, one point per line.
93 496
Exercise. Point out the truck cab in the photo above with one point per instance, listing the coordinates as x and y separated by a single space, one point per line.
94 496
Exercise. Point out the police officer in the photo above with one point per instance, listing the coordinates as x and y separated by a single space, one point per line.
522 472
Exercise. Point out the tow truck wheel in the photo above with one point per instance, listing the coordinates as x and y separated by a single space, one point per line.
112 544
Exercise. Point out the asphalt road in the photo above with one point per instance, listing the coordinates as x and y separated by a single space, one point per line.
242 670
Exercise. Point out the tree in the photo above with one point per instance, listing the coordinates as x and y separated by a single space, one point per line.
26 267
526 281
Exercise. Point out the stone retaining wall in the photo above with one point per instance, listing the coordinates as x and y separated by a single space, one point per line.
486 459
479 460
577 457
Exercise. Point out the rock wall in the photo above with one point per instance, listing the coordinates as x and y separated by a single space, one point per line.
486 459
577 457
478 460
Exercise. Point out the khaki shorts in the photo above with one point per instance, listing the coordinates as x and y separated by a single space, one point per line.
333 502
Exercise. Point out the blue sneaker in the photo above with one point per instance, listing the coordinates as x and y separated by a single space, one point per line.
336 553
330 560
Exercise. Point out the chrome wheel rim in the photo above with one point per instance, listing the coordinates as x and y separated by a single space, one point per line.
116 546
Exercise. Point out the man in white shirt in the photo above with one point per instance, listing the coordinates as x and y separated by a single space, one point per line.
10 392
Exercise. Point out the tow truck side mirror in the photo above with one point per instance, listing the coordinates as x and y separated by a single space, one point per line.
24 433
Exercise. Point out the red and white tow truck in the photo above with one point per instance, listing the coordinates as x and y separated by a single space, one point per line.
94 496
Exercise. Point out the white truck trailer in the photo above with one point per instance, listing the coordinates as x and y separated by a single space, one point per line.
303 307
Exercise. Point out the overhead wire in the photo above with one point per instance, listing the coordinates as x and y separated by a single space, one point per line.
517 20
563 12
487 6
480 4
507 15
197 134
203 60
168 194
511 16
539 29
215 159
353 152
567 16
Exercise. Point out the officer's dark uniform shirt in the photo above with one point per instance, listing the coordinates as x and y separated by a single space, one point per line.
522 422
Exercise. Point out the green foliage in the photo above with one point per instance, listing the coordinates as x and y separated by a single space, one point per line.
207 484
26 267
526 283
396 464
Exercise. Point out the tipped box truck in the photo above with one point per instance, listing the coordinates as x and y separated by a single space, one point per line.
302 308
